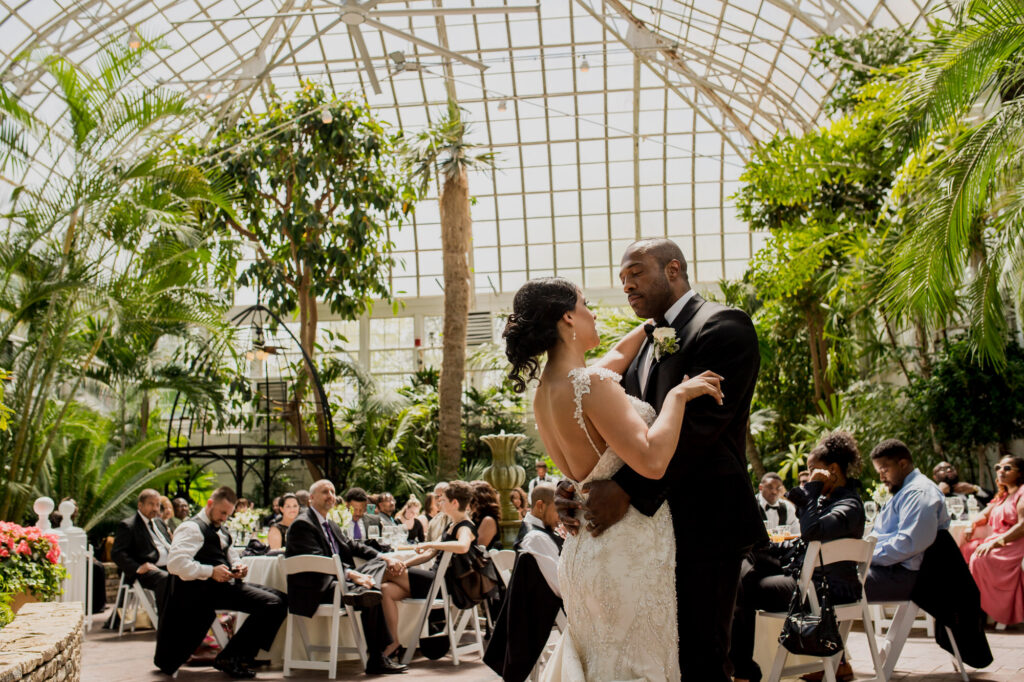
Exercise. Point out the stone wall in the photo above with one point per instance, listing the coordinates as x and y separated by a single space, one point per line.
43 643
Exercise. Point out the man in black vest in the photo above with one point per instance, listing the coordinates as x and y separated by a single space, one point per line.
775 510
207 577
142 543
313 533
537 535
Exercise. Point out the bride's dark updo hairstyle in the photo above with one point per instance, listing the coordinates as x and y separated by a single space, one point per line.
532 328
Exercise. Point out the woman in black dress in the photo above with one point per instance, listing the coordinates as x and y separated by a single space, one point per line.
409 520
487 515
416 581
829 507
289 512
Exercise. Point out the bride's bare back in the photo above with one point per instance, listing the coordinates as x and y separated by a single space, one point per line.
554 408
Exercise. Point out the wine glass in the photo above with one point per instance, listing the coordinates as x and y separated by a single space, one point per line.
870 510
956 505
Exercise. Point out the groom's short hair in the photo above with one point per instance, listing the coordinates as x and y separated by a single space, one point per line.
664 251
542 493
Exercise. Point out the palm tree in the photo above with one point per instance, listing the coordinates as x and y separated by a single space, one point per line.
963 186
443 149
96 251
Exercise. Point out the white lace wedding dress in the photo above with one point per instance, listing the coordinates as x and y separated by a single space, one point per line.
618 588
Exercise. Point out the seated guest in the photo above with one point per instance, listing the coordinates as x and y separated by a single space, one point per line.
520 501
242 505
386 506
905 527
828 507
775 511
313 533
303 497
537 534
142 543
408 516
948 479
357 500
995 560
279 530
208 576
275 511
438 521
486 515
803 476
455 501
166 512
181 512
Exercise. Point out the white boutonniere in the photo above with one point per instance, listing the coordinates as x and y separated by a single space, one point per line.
665 342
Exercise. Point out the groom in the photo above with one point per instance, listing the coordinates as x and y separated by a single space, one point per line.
719 512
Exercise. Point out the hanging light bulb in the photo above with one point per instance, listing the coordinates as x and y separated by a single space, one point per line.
584 65
503 105
326 116
134 41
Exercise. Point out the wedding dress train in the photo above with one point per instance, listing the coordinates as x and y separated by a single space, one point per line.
618 588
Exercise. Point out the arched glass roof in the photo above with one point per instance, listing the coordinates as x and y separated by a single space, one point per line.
612 120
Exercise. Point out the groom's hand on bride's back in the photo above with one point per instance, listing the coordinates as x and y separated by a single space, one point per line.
567 505
606 504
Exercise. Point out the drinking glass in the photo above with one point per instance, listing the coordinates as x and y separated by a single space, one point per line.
956 506
870 510
373 532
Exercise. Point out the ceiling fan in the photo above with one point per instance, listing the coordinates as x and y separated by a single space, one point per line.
402 65
355 15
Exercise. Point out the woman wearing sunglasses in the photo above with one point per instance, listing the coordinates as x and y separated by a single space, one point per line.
995 557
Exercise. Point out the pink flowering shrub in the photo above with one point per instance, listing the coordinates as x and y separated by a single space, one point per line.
30 562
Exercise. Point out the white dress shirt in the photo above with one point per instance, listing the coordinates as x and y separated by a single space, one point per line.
163 547
772 515
534 482
350 529
544 550
188 540
648 351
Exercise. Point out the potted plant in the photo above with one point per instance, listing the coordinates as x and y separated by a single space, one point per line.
30 567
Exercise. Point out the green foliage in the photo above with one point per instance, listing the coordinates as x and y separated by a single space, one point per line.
316 199
443 150
860 61
6 613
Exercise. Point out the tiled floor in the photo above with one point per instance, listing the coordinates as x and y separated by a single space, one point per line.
109 659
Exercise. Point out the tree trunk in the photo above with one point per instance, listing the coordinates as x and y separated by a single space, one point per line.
308 318
455 231
753 456
819 356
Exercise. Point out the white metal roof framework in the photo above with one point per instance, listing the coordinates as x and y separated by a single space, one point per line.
612 119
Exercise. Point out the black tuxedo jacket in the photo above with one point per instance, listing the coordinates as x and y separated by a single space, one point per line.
709 468
133 545
306 591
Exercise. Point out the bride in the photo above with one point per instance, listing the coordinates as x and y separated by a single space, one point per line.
618 587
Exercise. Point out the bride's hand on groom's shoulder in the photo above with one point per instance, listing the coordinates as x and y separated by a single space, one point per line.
567 505
705 383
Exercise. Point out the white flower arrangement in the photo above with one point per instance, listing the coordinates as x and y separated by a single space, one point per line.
881 495
665 342
341 515
244 521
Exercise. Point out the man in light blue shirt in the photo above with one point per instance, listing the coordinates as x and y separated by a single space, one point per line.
905 527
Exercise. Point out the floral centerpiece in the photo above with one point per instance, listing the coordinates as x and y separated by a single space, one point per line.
243 524
30 562
880 494
341 515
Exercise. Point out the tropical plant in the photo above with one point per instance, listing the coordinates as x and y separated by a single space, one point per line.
316 191
96 249
442 152
962 191
30 562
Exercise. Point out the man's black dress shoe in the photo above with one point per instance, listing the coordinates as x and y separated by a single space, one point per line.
232 667
363 598
382 665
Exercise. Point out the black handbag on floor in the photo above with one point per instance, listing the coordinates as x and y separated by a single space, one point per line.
805 634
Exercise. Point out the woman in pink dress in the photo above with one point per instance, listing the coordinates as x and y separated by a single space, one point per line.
995 561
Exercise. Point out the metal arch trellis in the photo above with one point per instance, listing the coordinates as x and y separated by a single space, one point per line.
265 448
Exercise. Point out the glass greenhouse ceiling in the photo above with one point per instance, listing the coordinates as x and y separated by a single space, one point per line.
612 120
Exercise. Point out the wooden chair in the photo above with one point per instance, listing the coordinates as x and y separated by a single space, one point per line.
336 610
858 551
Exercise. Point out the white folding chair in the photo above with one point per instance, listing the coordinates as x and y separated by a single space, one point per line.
308 563
131 598
899 629
456 621
220 635
884 614
561 624
504 560
858 551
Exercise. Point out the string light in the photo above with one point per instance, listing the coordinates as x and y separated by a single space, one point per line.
326 116
584 65
503 105
134 42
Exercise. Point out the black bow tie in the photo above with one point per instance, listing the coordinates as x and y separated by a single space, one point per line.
649 328
771 506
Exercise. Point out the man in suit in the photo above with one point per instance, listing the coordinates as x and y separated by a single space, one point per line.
208 576
711 449
775 510
357 500
142 543
386 506
537 534
313 533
